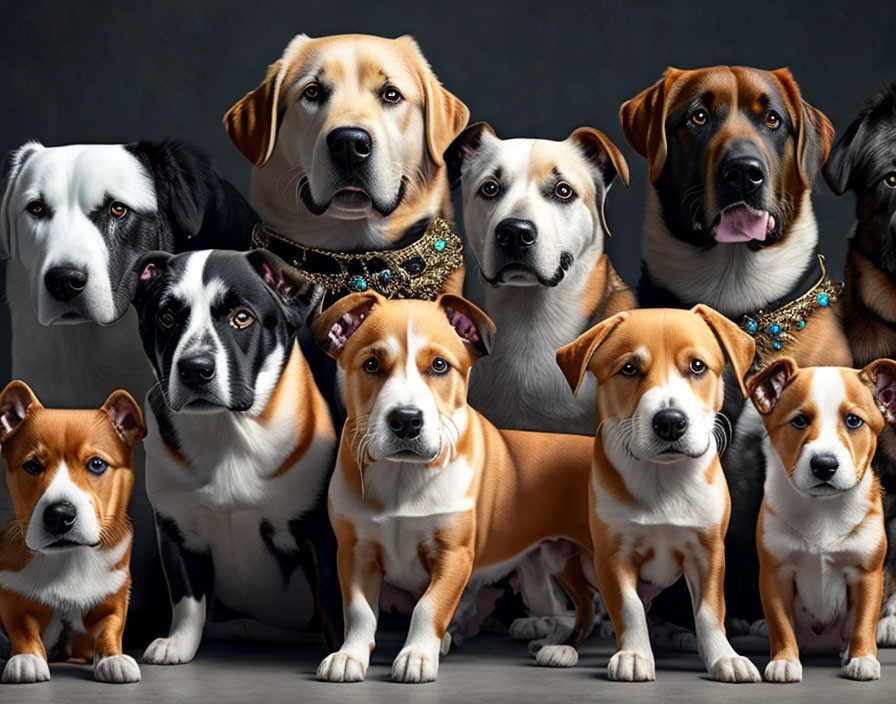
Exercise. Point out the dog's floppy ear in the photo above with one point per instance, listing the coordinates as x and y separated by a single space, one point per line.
296 294
333 328
766 385
125 414
575 358
464 147
148 270
15 401
643 120
737 345
880 377
837 170
12 165
445 114
815 133
473 326
606 158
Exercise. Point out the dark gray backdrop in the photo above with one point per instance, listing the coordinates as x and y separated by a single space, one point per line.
117 71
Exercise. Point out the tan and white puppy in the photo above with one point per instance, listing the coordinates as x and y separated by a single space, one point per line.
64 559
427 494
347 134
659 500
534 215
820 536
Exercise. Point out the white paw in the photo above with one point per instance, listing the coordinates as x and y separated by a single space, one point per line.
530 628
886 632
629 666
784 671
25 668
734 669
415 666
864 668
117 669
341 667
759 628
557 656
168 651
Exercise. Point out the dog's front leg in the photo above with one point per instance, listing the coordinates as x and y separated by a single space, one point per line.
190 577
24 625
450 570
777 595
860 661
106 623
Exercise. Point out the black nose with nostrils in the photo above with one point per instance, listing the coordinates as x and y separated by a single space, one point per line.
670 424
349 146
406 422
515 235
196 370
824 466
65 282
59 518
744 174
741 173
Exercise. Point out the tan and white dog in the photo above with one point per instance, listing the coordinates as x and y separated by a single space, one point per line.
658 497
64 559
427 494
820 536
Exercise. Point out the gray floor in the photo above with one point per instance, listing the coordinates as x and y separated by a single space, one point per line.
490 668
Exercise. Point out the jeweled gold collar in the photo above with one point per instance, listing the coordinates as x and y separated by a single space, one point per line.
776 329
417 270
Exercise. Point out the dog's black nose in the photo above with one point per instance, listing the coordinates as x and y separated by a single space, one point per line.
515 235
406 422
65 282
349 146
197 369
824 466
59 518
670 424
744 174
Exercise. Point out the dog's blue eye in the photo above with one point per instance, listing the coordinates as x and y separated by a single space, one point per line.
33 467
628 369
97 465
440 366
371 365
853 421
800 422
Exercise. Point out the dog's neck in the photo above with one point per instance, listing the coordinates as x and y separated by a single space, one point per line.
728 277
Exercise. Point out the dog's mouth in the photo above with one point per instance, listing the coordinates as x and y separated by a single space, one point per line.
824 489
742 223
521 273
351 201
64 544
70 318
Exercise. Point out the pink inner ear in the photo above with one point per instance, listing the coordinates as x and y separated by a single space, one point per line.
885 395
463 325
149 272
345 327
278 283
12 413
466 151
766 394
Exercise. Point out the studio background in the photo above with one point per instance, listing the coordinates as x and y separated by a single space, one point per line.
118 71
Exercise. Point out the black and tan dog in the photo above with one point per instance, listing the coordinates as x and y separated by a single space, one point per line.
864 161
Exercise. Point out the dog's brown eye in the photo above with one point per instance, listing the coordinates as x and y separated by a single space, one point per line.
563 191
628 369
699 117
440 366
772 120
240 318
33 467
490 188
312 91
165 318
890 180
36 208
371 365
698 366
391 95
118 210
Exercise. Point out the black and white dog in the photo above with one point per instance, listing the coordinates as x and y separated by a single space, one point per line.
240 447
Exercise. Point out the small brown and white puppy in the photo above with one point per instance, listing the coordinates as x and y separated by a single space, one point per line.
427 494
820 534
534 215
658 497
347 134
64 559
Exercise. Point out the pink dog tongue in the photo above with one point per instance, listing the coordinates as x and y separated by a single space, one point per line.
740 224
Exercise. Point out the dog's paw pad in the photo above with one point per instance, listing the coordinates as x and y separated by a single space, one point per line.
734 669
117 669
629 666
557 656
784 671
413 666
25 668
341 667
886 632
167 651
864 668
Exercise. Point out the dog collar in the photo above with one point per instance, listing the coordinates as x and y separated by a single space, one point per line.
775 329
417 270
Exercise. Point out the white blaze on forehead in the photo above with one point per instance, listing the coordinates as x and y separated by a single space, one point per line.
828 391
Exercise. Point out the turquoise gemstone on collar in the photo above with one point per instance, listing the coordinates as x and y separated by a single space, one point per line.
439 245
800 325
752 327
823 299
774 329
357 283
777 344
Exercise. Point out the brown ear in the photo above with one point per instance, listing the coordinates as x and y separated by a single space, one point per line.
815 133
15 401
473 326
738 346
606 158
574 358
126 416
445 115
766 385
643 121
464 147
880 376
332 328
